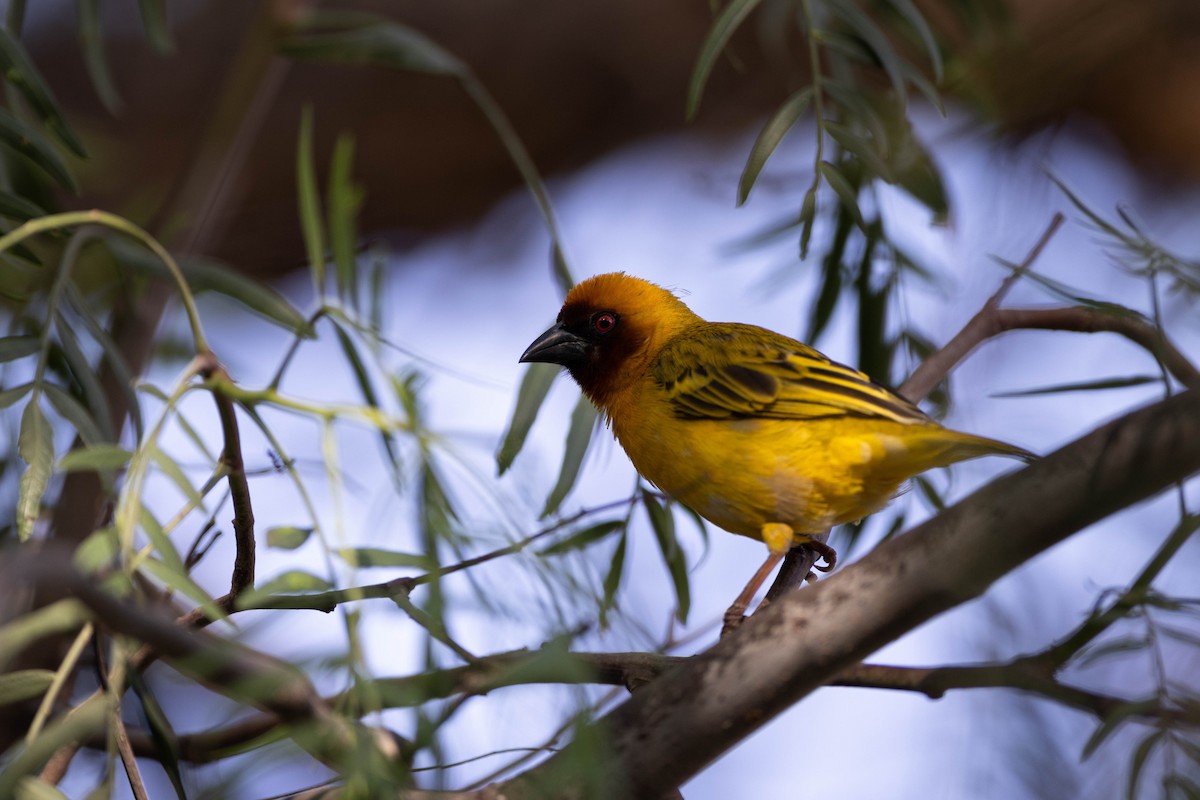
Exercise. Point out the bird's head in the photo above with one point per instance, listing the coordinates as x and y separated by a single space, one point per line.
609 329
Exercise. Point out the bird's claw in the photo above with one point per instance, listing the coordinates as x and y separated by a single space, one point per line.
827 553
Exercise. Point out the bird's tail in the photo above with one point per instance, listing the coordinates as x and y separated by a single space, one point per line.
968 446
944 447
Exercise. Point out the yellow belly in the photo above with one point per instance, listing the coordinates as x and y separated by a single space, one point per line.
743 474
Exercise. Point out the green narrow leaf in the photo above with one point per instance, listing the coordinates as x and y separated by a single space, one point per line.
358 38
612 581
1100 222
920 177
14 347
916 19
98 551
579 436
24 684
10 396
85 720
20 72
169 467
309 200
808 215
180 581
350 38
769 138
842 188
367 390
931 495
19 208
1124 644
530 396
858 146
56 618
851 47
1113 721
698 521
378 273
161 541
161 731
35 444
287 537
860 108
205 275
154 23
86 376
1140 754
727 22
33 146
345 199
663 524
291 582
209 275
827 298
114 356
376 557
1084 386
582 538
16 16
919 82
91 36
97 457
877 40
1065 292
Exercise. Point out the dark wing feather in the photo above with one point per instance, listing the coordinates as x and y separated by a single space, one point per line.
726 370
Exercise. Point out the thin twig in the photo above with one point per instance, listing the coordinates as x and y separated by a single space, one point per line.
328 601
56 768
242 577
136 785
934 369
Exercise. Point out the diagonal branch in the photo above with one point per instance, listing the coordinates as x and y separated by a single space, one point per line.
674 727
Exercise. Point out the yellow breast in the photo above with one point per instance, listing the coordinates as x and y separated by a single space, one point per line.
743 473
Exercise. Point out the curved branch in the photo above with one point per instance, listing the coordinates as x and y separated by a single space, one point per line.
242 577
992 321
673 728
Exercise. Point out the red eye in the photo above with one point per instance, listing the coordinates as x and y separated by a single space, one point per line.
605 322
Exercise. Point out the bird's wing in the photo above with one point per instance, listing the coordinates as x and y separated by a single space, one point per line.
726 370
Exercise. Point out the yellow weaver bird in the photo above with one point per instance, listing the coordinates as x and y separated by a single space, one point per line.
758 433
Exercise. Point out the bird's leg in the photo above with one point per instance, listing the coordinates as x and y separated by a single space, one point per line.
778 538
734 615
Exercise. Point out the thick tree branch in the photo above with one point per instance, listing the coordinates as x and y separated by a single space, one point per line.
552 665
670 730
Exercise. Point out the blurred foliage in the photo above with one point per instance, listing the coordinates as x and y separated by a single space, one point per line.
76 402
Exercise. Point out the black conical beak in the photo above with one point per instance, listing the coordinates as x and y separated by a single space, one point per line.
558 346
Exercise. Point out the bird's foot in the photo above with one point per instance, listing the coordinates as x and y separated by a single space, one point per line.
827 553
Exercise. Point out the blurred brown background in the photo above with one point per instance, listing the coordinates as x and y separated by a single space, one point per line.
577 79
